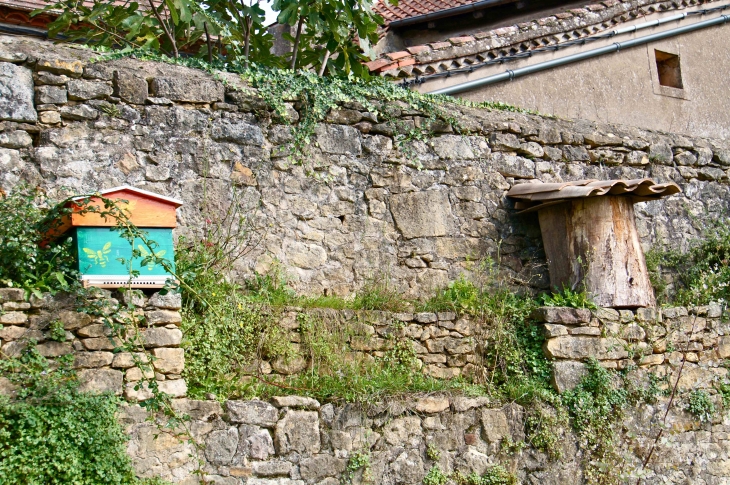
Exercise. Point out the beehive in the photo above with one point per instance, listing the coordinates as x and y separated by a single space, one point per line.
105 258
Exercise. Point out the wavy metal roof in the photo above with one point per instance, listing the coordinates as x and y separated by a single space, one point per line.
532 197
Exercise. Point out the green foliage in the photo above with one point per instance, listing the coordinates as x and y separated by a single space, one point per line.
379 294
435 476
543 426
723 388
359 461
516 368
53 434
333 35
595 406
24 263
432 452
316 96
495 475
568 298
56 331
702 274
700 405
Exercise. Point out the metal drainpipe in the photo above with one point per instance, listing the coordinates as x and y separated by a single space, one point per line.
615 47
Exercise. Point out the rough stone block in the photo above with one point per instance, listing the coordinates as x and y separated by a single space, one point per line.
432 405
175 387
220 446
94 331
11 294
15 139
92 360
79 112
161 337
169 361
321 466
12 332
579 348
295 402
81 89
13 318
130 88
61 66
258 413
16 94
494 425
55 349
338 139
255 442
564 315
237 132
163 317
298 431
511 165
422 214
101 380
51 95
187 89
169 301
567 374
73 320
101 343
272 468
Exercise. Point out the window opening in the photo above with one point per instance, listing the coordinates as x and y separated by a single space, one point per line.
668 69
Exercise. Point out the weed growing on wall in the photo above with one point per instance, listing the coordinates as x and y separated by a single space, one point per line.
700 405
702 274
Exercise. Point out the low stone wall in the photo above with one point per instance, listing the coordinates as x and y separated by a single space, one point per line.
90 341
298 441
446 345
656 340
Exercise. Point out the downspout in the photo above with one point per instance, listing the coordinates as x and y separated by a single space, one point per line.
615 47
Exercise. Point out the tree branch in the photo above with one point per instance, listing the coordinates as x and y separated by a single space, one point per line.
165 28
296 44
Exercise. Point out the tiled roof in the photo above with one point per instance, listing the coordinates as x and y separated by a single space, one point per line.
414 8
460 53
26 5
536 196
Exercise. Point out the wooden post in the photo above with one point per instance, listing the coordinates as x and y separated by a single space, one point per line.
593 241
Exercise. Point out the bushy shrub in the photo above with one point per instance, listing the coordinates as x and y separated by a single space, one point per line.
50 433
24 262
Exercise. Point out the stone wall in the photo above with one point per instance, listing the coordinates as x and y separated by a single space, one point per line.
298 441
446 345
656 341
419 214
89 339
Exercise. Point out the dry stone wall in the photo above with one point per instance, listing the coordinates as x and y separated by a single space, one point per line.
656 341
100 366
420 213
445 344
299 441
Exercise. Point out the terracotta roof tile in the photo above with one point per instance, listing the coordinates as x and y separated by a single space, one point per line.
414 8
398 55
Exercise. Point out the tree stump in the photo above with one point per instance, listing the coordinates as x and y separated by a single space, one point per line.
593 242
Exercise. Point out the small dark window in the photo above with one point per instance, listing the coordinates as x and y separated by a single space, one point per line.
667 66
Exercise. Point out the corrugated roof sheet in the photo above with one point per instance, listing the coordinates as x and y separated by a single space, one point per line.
536 196
413 8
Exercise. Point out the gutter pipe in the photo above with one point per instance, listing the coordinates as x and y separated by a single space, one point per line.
615 47
447 13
